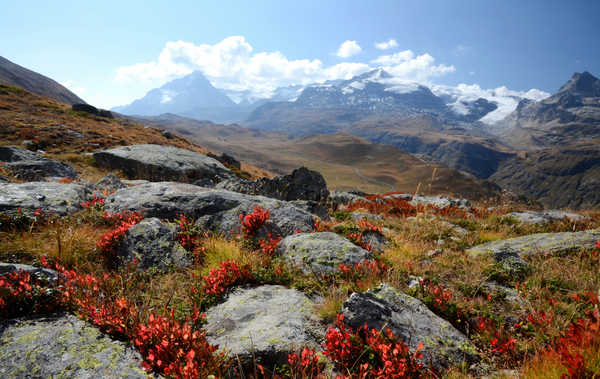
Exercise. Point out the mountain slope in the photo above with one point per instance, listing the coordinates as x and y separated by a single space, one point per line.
572 114
14 75
346 162
191 96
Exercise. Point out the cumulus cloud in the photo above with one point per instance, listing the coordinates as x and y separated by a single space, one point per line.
233 65
73 87
348 49
390 44
505 98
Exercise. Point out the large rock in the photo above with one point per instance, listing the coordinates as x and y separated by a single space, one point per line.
339 198
440 201
39 272
110 183
217 210
412 322
63 346
552 243
544 217
57 198
30 166
301 184
267 321
153 243
320 253
161 163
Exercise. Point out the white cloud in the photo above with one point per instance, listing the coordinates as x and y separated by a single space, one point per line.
505 98
233 65
390 44
73 87
348 49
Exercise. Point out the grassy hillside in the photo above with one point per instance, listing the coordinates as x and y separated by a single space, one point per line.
346 162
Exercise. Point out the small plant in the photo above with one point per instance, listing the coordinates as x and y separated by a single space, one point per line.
110 241
253 221
227 275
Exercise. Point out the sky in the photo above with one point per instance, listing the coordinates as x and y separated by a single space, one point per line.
112 52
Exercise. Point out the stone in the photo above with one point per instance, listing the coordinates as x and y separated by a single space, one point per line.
110 183
399 196
39 272
544 217
30 166
4 179
216 210
440 201
320 253
340 198
54 198
92 110
153 243
226 159
162 163
413 323
301 184
266 322
357 216
63 346
551 243
377 241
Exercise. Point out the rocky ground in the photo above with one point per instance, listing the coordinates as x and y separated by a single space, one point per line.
180 268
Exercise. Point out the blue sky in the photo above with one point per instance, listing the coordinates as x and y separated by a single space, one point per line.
113 52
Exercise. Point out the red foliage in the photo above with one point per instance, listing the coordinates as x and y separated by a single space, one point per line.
95 203
21 293
65 180
227 275
371 353
500 341
269 245
306 365
253 221
175 349
362 269
109 242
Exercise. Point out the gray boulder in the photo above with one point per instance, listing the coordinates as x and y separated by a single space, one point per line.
57 198
320 253
39 272
413 323
30 166
160 163
301 184
340 198
217 210
110 183
440 201
4 179
63 346
552 243
377 241
357 216
153 243
544 217
267 321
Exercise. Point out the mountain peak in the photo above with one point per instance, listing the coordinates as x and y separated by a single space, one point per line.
583 84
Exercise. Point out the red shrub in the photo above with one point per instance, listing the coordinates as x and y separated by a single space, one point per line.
96 203
227 275
306 365
109 242
21 293
253 221
371 353
269 245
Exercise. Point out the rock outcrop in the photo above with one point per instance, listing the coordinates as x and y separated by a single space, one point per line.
56 198
301 184
267 321
39 272
412 322
63 346
162 163
110 183
153 243
440 201
30 166
217 210
320 253
544 217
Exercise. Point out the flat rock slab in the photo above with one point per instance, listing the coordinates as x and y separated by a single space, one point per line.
552 243
63 347
320 252
28 165
440 201
160 163
412 322
217 210
110 183
57 198
39 272
153 243
267 321
544 217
